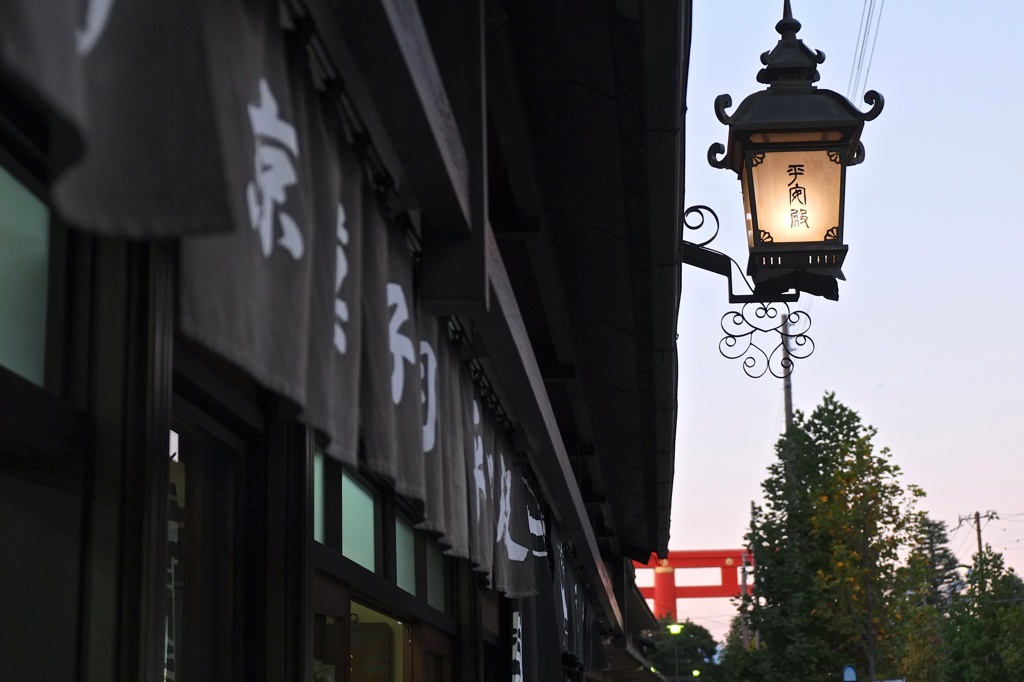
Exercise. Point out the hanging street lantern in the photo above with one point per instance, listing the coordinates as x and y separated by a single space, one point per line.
790 145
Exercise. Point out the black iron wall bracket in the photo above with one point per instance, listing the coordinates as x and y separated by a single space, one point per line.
699 255
761 315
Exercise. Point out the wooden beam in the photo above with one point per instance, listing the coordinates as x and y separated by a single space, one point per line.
666 25
389 43
454 273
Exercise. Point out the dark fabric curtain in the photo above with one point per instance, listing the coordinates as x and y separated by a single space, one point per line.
335 318
578 632
479 451
433 432
519 535
39 60
540 655
390 386
452 437
168 144
443 437
245 294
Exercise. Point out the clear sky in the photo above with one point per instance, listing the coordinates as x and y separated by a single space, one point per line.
925 341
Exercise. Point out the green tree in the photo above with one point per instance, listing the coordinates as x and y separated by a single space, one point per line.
933 565
929 582
825 544
741 659
983 631
694 648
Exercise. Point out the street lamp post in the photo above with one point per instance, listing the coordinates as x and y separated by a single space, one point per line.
675 629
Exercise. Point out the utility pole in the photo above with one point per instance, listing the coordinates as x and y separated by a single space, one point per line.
989 515
977 527
745 615
787 382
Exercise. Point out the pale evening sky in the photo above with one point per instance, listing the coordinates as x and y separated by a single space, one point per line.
925 341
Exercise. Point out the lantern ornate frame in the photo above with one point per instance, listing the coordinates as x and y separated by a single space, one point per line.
791 117
789 121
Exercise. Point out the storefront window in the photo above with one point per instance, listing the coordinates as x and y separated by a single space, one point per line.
377 646
206 570
435 577
405 556
331 605
358 524
24 249
319 498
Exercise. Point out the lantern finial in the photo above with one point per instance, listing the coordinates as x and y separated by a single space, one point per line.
791 62
788 23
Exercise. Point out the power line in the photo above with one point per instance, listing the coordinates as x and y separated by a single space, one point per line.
858 53
853 63
867 33
871 58
989 516
963 541
1015 532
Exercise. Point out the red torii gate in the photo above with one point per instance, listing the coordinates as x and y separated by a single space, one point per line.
665 591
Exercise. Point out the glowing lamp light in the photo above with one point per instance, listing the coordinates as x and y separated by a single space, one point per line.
790 146
675 628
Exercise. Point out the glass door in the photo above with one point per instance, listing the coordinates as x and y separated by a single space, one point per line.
214 584
331 614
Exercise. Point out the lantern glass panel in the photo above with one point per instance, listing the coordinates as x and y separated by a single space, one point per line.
748 218
797 195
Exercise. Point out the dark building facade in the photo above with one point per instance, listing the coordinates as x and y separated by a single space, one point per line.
339 336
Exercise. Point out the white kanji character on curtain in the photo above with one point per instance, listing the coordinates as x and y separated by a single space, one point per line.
341 313
402 349
479 474
276 147
428 394
516 552
97 13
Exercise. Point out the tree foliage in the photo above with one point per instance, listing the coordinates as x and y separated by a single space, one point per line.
825 545
983 640
932 566
848 572
741 657
929 581
694 648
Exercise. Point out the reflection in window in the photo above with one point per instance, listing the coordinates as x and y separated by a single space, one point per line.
326 656
175 536
24 249
202 639
377 645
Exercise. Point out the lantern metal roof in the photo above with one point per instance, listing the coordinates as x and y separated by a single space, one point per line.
791 102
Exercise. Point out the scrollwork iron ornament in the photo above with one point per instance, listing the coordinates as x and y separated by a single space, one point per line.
698 224
746 329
